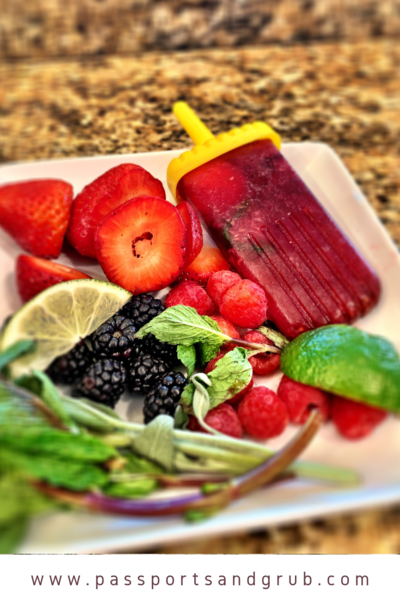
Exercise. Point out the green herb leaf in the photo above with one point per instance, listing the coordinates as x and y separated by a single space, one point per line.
53 442
207 351
232 373
201 399
181 419
78 476
131 489
11 535
15 351
182 325
187 355
187 395
41 385
275 336
156 441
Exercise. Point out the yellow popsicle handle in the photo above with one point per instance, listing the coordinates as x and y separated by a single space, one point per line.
191 123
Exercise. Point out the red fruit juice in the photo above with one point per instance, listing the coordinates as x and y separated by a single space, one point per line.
272 230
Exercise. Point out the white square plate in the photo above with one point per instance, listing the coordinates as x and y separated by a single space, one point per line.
376 459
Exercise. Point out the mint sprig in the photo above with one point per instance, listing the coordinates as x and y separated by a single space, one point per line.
181 325
231 375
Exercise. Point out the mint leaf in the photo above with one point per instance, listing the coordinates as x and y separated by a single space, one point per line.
156 441
187 355
207 351
275 336
231 374
187 395
181 325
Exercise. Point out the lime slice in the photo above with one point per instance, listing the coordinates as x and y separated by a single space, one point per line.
348 362
59 317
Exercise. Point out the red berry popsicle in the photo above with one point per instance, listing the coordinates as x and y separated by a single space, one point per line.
271 228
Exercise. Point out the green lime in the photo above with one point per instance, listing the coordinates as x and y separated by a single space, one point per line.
348 362
59 317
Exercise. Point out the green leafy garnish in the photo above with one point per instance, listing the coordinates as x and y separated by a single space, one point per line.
187 355
156 441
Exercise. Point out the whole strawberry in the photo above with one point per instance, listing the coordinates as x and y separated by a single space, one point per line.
36 214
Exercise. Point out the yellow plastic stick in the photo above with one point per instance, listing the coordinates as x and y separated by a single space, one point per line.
191 123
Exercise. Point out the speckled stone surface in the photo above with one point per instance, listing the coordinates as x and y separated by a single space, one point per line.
347 95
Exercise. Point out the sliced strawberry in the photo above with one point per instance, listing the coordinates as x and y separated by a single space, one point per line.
37 274
141 245
194 231
103 195
36 214
209 261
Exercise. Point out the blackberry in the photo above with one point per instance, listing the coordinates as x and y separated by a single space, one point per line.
144 372
161 350
142 309
69 367
164 397
115 338
103 382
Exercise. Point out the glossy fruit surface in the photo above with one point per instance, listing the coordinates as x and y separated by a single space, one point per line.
141 245
37 274
348 362
36 214
58 318
209 261
194 231
104 194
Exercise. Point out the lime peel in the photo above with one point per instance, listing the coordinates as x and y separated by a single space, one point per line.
348 362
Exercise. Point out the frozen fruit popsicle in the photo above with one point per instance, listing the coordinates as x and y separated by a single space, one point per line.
271 228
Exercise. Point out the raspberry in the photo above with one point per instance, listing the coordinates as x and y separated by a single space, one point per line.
262 413
226 327
222 418
301 399
262 363
355 420
229 329
211 366
244 304
191 294
219 283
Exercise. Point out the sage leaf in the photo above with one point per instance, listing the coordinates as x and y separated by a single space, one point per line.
187 355
275 336
156 441
182 325
42 386
201 402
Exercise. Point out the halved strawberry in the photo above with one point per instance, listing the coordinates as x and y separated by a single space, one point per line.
36 274
209 261
36 214
194 231
103 195
141 245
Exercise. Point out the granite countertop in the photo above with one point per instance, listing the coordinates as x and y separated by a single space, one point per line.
347 95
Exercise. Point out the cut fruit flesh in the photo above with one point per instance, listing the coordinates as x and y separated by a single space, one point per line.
141 245
59 317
